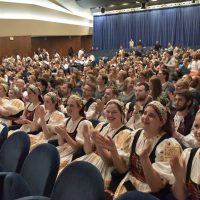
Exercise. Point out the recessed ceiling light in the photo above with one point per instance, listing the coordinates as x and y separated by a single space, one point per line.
125 4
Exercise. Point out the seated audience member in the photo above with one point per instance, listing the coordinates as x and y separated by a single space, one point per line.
195 88
121 76
183 118
194 66
88 100
70 135
135 108
110 93
65 91
167 86
102 81
47 117
155 88
150 151
114 132
186 169
11 108
128 94
3 91
42 85
25 121
181 84
191 139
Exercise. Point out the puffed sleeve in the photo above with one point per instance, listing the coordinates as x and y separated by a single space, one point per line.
79 136
56 119
194 174
122 141
165 151
14 106
188 140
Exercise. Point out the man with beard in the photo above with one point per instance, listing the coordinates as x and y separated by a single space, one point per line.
64 92
135 108
110 93
183 118
88 100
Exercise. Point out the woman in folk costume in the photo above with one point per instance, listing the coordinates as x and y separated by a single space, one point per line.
150 151
25 122
12 108
186 169
70 134
96 140
47 117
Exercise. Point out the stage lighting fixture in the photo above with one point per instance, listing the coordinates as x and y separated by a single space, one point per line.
103 10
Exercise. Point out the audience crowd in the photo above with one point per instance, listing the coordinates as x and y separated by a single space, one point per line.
135 117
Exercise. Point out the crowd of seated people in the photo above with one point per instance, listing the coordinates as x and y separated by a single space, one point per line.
135 117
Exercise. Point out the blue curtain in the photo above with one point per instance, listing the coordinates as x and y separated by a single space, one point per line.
179 26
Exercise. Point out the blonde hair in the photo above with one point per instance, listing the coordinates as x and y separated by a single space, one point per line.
53 96
77 99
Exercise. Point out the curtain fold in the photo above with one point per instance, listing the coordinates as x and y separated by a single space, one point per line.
179 26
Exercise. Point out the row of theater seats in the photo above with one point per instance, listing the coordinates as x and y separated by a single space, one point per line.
32 175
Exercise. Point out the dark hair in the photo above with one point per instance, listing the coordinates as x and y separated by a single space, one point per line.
114 90
156 89
146 85
69 85
166 73
43 82
120 108
105 79
167 127
187 95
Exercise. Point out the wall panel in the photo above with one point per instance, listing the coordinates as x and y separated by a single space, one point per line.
19 44
26 45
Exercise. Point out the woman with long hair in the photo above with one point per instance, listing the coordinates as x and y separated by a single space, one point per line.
47 117
70 135
150 151
25 122
114 131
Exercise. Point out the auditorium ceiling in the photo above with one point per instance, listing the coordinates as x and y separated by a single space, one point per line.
104 6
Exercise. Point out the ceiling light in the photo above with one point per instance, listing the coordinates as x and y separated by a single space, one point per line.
125 4
154 0
137 2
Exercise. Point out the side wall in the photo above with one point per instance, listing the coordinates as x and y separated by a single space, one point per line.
26 45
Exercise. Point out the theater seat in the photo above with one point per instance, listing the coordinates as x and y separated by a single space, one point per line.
37 175
78 181
3 133
12 154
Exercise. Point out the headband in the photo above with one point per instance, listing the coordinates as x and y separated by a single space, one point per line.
53 96
160 110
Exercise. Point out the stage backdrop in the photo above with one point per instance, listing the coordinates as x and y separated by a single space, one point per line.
179 25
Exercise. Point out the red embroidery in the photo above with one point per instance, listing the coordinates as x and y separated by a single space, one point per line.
193 189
